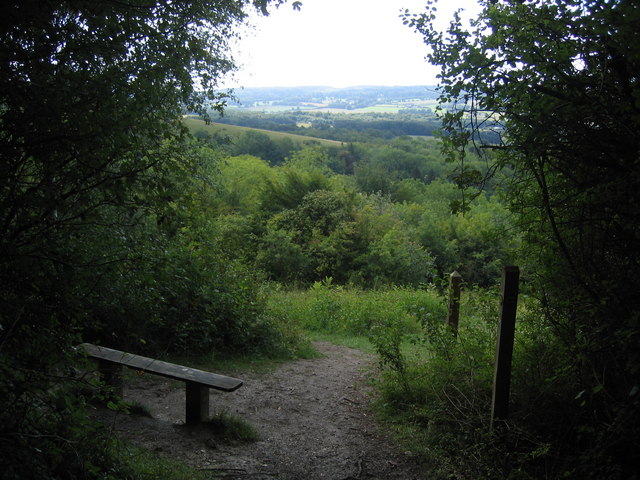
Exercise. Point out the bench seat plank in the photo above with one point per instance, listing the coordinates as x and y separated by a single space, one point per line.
165 369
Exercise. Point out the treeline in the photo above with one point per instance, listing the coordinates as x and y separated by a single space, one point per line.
103 235
335 126
363 96
387 223
116 228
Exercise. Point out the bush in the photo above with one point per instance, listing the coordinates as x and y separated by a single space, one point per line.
395 260
439 398
47 433
184 300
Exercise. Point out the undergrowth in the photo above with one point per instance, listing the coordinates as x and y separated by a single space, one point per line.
331 309
439 401
141 464
436 388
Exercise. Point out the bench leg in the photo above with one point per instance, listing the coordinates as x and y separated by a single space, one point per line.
197 403
111 374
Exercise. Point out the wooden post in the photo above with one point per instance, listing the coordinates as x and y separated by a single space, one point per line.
111 374
455 279
504 344
197 408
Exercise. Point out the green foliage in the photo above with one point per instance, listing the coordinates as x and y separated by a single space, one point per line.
372 179
300 222
397 260
338 235
387 336
282 258
96 175
180 292
334 309
555 80
405 158
144 464
366 126
439 397
477 244
291 185
259 144
116 228
312 237
51 434
240 183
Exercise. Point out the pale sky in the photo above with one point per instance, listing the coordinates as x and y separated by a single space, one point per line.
338 43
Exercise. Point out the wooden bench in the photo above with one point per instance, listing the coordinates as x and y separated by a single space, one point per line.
198 382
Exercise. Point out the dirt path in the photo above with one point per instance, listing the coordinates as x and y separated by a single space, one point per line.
312 416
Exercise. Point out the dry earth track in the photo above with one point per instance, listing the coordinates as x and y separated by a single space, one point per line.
313 418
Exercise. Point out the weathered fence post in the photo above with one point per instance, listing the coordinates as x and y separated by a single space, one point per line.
504 344
453 314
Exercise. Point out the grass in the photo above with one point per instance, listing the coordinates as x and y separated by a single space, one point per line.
434 390
435 394
233 131
231 430
359 342
248 362
327 313
144 464
346 312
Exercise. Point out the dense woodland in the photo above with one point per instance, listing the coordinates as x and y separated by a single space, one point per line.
365 214
335 126
127 222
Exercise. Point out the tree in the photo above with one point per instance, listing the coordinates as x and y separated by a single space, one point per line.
91 143
395 259
316 235
557 83
241 182
258 144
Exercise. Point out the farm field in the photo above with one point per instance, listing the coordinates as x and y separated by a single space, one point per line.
233 131
391 107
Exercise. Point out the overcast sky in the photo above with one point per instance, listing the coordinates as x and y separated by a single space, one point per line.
338 43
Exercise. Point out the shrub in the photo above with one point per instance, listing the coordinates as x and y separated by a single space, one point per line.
441 396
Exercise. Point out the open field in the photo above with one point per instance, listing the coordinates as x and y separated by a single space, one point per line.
320 108
195 124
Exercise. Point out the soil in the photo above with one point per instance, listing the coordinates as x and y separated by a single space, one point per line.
313 419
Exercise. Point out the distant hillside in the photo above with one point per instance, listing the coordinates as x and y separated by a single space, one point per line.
328 97
196 125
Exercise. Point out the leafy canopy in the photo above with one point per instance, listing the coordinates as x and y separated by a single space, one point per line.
93 157
551 89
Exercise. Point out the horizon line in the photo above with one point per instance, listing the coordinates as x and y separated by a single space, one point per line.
239 87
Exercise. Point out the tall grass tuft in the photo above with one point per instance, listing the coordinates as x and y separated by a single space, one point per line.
230 429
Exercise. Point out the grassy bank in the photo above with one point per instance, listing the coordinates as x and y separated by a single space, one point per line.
436 389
